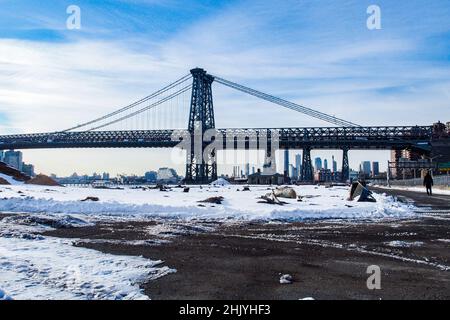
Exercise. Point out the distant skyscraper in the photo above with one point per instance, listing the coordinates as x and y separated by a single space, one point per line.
318 163
28 169
365 167
286 161
334 164
151 176
14 159
247 169
375 168
293 171
325 164
298 163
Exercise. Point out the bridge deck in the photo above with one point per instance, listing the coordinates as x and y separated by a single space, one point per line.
416 137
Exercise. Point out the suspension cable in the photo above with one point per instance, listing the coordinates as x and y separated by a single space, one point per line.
151 106
287 104
128 107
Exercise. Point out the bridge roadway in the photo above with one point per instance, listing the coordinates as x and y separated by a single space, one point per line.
414 137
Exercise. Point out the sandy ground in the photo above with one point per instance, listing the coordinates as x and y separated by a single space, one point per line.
328 259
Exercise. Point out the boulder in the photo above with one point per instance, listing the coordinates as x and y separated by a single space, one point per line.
358 190
214 200
95 199
285 192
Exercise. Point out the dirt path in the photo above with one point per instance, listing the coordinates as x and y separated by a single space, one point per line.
328 260
420 199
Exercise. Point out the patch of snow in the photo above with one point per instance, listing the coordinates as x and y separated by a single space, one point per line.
27 226
404 244
286 279
155 242
171 230
36 267
11 180
54 269
4 296
328 244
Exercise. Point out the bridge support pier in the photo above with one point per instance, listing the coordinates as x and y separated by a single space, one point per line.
345 165
307 168
201 168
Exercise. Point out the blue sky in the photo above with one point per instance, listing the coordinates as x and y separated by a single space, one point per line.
318 53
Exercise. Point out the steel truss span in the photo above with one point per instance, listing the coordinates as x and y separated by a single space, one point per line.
412 137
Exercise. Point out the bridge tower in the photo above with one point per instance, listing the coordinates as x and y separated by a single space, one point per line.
345 166
200 168
307 168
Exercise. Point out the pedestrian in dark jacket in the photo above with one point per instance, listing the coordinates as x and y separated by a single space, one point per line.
428 183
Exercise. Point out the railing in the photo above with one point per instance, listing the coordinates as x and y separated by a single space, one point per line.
439 181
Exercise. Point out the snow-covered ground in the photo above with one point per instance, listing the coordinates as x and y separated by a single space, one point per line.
318 203
36 267
51 268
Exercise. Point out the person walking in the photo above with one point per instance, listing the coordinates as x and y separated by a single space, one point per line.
428 183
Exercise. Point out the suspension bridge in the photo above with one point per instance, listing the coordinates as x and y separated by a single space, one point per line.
158 118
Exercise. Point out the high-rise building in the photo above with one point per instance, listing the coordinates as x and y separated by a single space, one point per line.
403 155
236 171
151 176
375 168
286 161
247 169
325 164
318 163
365 167
298 164
334 164
28 169
293 172
14 159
